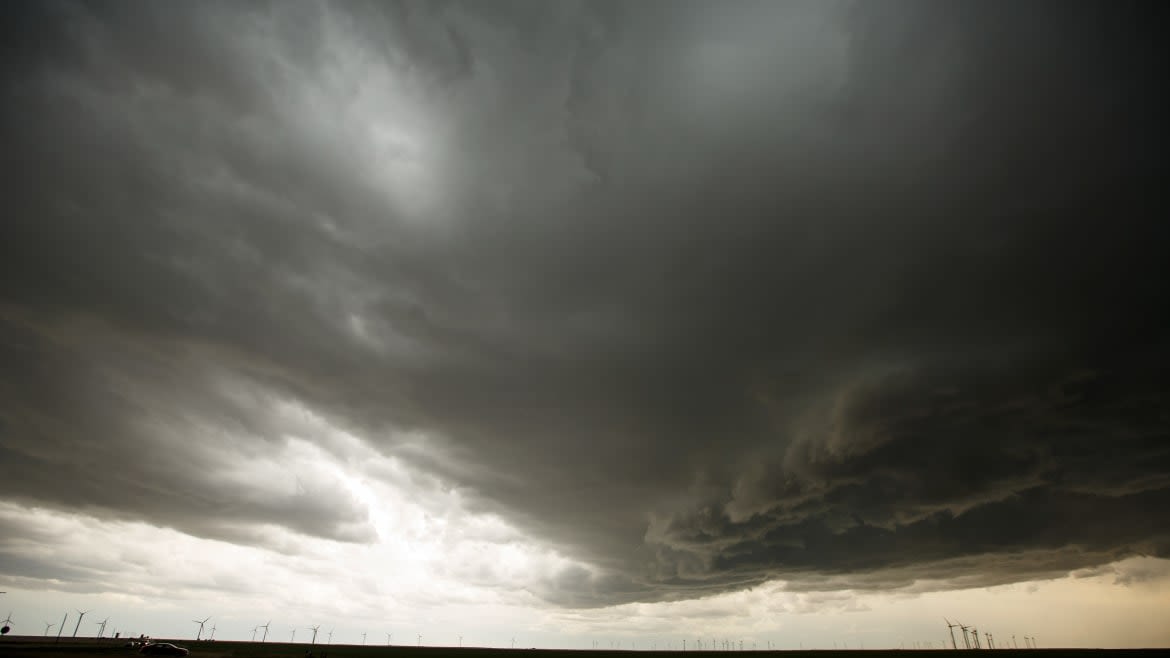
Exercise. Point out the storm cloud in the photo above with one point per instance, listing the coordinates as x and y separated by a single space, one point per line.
702 295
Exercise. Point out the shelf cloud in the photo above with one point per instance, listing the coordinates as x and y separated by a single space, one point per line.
700 296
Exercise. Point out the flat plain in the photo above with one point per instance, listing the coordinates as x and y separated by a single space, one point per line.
39 647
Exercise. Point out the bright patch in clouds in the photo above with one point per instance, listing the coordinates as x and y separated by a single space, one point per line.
427 559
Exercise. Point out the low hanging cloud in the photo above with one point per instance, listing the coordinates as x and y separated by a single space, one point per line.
700 296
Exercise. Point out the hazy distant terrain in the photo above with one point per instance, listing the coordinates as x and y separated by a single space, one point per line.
47 648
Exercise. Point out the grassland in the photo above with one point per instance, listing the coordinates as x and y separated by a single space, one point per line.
37 647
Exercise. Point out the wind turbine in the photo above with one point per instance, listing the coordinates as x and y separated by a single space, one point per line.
460 642
314 629
212 632
265 636
363 638
293 636
254 629
199 635
330 636
420 641
951 630
102 630
82 613
990 640
62 626
48 625
966 642
388 635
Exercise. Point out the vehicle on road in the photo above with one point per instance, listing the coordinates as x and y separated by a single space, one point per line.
162 649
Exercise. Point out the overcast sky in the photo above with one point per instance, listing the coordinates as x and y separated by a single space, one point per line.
581 321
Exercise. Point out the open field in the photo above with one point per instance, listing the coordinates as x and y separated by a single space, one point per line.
38 647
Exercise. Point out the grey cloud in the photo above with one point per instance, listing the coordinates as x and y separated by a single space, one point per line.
843 294
1138 574
105 425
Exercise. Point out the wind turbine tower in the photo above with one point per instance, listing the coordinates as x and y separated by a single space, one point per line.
265 627
199 635
966 642
314 629
102 630
212 632
254 629
48 625
82 613
62 626
951 630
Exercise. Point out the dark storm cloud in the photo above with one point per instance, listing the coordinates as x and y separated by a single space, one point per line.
701 294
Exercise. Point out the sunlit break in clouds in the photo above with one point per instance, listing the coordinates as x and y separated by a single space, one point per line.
588 324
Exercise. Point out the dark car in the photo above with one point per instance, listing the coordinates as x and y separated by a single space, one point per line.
163 649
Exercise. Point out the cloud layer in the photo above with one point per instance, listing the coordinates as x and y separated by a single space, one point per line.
700 296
